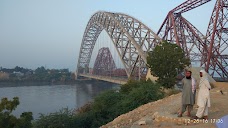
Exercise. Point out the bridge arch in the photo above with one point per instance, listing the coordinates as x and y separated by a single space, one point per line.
131 38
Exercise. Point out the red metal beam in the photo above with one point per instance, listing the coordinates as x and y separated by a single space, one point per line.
177 29
104 63
217 38
189 5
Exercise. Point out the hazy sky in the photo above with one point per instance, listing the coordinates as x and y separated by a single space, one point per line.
48 33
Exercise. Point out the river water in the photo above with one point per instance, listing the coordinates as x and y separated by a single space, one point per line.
41 98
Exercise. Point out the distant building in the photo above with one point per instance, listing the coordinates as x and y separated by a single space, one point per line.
4 76
18 74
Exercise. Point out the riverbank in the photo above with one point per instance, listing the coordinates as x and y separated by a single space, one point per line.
45 98
163 113
40 83
106 106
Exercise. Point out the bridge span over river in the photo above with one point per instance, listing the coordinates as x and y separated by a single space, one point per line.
131 40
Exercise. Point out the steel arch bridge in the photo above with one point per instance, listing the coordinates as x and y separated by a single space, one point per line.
131 38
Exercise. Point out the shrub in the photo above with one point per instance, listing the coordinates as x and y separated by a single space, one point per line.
85 108
145 92
126 88
83 120
106 107
7 120
60 119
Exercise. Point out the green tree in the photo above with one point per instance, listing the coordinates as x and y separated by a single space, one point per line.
140 93
7 120
41 70
60 119
165 61
18 69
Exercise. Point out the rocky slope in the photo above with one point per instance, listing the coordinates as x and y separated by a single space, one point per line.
163 113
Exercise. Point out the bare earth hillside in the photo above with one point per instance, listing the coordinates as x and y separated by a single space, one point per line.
163 113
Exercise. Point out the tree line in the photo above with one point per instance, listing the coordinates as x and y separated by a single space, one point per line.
39 74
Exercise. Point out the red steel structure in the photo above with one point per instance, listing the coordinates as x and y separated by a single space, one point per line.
104 63
217 39
133 39
207 49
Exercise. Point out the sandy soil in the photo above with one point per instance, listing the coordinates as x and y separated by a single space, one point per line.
163 113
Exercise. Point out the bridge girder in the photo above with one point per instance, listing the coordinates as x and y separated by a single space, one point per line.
177 29
104 63
217 40
131 38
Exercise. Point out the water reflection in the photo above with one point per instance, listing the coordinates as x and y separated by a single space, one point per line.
51 98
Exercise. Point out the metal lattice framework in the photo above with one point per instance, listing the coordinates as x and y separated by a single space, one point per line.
131 38
104 63
177 29
217 39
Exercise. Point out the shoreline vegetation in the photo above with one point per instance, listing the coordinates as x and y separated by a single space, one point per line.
106 106
20 76
112 103
41 74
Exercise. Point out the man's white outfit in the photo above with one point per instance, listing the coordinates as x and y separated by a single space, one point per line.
203 100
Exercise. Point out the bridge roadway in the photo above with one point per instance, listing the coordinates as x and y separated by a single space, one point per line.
116 80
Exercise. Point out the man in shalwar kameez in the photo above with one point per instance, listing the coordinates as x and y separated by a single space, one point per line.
188 93
203 100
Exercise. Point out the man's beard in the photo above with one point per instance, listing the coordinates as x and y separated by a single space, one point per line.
188 77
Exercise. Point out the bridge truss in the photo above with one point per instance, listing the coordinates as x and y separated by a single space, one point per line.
208 49
104 63
217 39
132 39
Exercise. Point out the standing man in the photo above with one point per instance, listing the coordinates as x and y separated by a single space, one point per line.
203 100
188 96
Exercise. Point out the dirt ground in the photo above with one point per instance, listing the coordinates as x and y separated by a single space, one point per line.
163 113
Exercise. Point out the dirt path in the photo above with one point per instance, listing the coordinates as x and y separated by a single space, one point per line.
163 113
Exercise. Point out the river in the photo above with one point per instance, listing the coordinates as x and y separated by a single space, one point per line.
40 98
